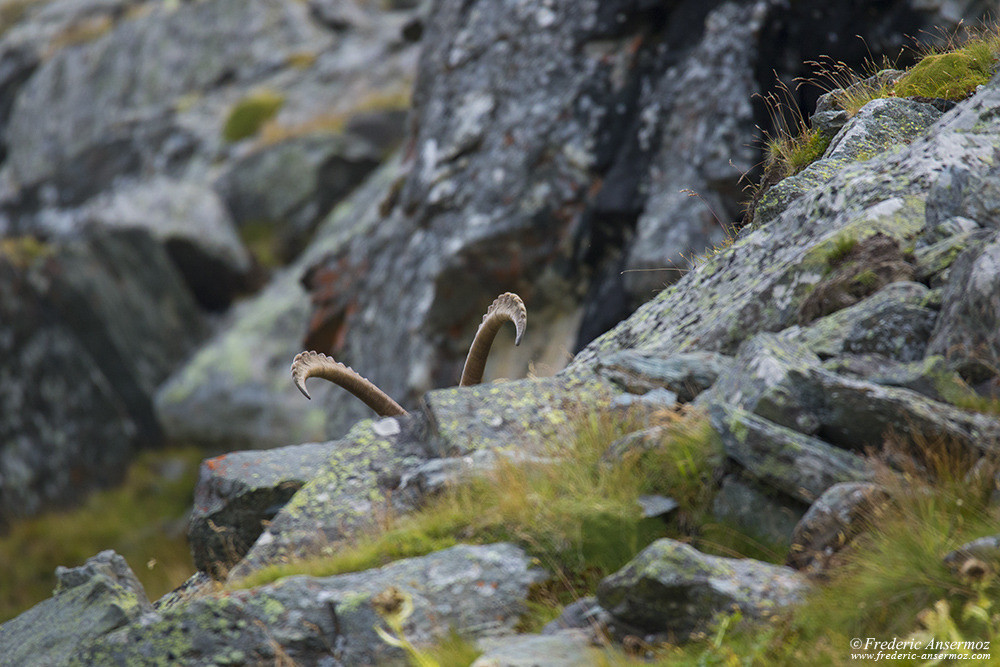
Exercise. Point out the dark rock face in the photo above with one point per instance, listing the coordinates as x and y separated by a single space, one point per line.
82 350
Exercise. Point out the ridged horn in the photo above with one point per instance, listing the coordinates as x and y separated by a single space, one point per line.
507 307
315 364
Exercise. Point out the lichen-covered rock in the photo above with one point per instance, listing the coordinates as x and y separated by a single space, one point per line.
781 381
475 590
284 189
798 465
837 516
238 493
894 323
237 390
929 376
672 588
759 512
759 283
81 354
968 331
359 479
194 227
88 115
687 375
879 127
90 601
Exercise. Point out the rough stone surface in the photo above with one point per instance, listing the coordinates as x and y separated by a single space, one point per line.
238 493
687 375
968 331
90 601
475 590
569 648
82 352
672 588
832 521
767 517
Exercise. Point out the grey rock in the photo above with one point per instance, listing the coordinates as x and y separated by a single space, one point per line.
759 283
929 376
798 465
837 516
567 648
90 601
358 479
88 115
893 323
880 126
475 590
783 382
967 331
976 559
584 614
238 492
82 352
685 374
654 399
657 506
768 517
286 188
672 588
237 391
191 222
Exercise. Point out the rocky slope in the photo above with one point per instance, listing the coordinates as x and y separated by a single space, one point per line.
864 303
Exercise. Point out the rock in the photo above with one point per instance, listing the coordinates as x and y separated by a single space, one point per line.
760 515
672 588
759 283
238 493
975 560
780 458
284 190
90 601
780 380
474 590
880 126
892 323
88 116
358 479
583 614
929 376
837 516
866 268
568 648
685 374
236 391
192 223
81 353
966 333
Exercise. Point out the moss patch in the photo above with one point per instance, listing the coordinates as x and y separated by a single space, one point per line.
249 114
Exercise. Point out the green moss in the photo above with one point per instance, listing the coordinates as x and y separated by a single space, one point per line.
144 520
841 247
453 650
952 75
23 251
249 114
866 278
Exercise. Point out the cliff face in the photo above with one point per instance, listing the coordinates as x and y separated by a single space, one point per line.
547 149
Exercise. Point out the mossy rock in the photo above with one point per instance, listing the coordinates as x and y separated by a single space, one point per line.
250 113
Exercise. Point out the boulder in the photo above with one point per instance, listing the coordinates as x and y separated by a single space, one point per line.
191 222
82 352
238 493
841 513
968 331
474 590
568 648
672 588
687 375
759 513
90 601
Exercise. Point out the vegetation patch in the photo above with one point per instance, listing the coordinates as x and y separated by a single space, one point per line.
578 514
956 73
144 520
249 114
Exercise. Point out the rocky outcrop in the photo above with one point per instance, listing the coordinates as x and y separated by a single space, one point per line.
90 601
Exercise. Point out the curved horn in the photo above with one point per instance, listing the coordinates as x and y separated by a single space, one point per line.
314 364
507 307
